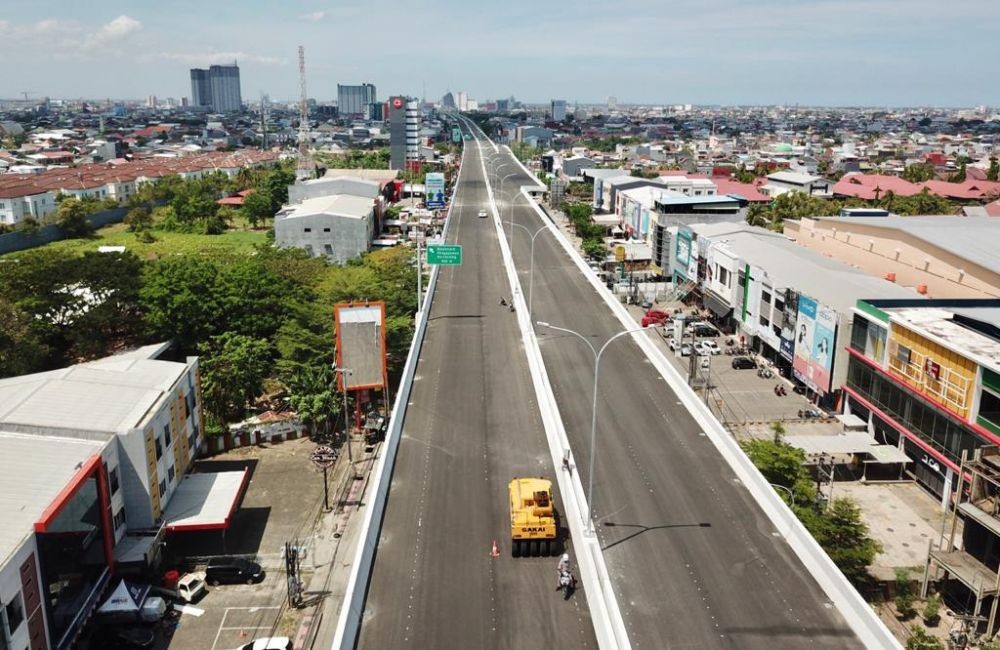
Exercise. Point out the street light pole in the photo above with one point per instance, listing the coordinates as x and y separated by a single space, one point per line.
589 522
531 272
347 427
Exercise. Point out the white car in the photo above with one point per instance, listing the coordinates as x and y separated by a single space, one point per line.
190 586
482 214
708 347
685 349
270 643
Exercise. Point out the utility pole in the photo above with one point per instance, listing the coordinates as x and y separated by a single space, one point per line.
344 372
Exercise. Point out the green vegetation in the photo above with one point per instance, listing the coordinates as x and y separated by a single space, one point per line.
798 205
524 152
355 159
838 529
922 640
253 313
592 235
993 173
609 143
918 173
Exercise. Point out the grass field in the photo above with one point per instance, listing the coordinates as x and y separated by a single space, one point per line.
166 244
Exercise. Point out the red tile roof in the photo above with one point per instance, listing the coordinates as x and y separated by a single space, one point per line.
873 186
993 209
968 189
748 191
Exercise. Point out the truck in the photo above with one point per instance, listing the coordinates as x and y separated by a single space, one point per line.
533 526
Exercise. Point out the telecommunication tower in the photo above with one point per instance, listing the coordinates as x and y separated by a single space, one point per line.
306 167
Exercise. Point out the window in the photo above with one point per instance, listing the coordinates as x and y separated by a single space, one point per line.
903 354
764 321
119 519
15 613
723 276
171 473
113 480
326 230
159 448
307 229
163 487
779 305
741 279
166 434
989 407
765 296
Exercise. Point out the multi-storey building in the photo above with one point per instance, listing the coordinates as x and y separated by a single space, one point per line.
355 100
217 88
925 375
92 459
404 132
558 110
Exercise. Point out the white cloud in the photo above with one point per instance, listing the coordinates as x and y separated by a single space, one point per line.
313 17
112 33
210 57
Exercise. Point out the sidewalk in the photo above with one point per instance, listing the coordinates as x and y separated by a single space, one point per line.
334 541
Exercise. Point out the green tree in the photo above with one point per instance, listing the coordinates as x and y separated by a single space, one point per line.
993 173
918 172
22 350
139 219
922 203
921 639
958 176
594 248
180 298
313 398
71 217
233 370
256 208
759 214
781 464
844 537
28 225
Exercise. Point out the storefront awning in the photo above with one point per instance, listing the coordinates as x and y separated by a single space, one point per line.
205 501
717 305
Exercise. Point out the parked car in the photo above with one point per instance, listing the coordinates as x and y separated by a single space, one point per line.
685 349
482 214
191 586
705 330
269 643
673 344
744 363
655 317
232 570
708 347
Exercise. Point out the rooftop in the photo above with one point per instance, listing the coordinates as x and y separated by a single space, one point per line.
971 238
33 471
344 205
94 400
791 266
940 323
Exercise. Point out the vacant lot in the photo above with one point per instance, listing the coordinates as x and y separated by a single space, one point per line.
167 243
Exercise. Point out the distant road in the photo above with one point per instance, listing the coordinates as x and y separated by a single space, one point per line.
694 560
472 424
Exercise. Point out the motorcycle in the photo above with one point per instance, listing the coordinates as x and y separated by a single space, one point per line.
764 372
567 584
809 413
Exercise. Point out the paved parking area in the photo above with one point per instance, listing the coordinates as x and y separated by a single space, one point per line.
274 510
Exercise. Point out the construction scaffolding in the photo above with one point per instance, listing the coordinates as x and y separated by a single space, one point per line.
975 562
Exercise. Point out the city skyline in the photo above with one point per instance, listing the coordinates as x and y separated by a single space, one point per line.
834 53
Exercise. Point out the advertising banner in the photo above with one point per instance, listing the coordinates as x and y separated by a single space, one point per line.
684 252
456 134
434 188
805 323
824 334
788 326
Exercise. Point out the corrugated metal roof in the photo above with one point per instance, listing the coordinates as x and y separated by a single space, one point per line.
33 471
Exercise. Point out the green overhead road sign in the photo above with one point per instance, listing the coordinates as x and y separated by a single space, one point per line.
444 254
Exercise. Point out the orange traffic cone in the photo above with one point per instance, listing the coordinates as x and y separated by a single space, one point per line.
495 551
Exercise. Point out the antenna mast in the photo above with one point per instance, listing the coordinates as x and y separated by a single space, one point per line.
306 167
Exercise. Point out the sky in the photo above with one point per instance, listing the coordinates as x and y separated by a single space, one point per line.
809 52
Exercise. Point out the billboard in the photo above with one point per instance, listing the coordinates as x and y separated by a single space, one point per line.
434 190
360 340
789 315
456 134
683 250
815 333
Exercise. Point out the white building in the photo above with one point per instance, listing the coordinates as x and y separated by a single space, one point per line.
780 182
339 227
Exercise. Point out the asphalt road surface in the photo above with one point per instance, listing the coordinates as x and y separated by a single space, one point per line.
472 425
694 561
